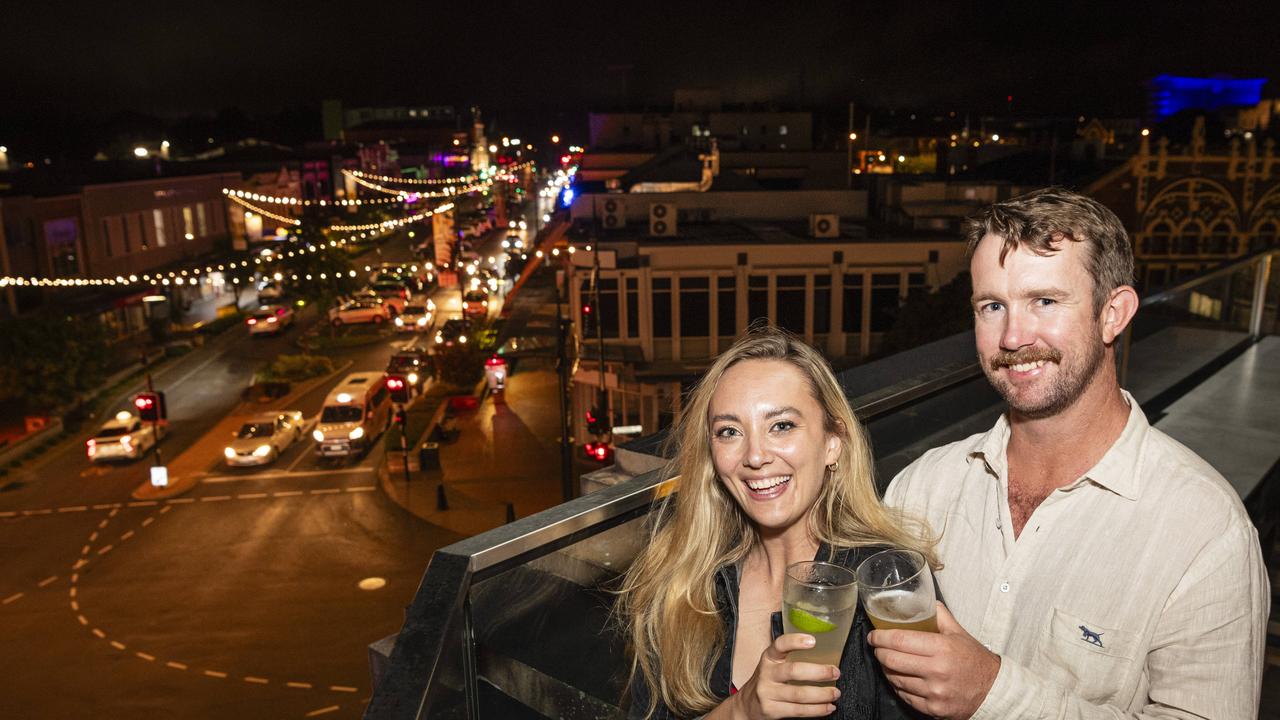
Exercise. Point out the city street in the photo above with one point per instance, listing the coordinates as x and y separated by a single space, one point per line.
254 594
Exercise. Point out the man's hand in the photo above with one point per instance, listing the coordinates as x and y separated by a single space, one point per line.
768 695
945 674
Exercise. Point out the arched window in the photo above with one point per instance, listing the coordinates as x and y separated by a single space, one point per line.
1219 239
1157 241
1187 241
1265 235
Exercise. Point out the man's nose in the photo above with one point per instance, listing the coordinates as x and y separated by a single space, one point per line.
1019 330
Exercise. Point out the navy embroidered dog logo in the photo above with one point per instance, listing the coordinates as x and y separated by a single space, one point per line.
1090 636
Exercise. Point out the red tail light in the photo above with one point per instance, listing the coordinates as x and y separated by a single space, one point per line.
93 447
252 321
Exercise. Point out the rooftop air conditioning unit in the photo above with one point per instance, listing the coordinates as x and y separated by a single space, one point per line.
662 220
824 225
613 212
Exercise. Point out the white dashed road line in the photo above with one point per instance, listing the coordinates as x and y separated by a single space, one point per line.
12 598
323 711
47 581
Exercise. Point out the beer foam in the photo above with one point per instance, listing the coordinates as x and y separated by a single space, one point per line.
901 606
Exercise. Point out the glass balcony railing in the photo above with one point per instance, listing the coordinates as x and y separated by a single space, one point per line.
515 623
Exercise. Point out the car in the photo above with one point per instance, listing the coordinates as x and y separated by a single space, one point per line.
414 364
394 293
475 303
417 317
124 437
453 331
359 310
269 291
263 437
269 320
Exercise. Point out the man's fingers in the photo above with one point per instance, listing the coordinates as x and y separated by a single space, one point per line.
786 643
947 623
908 684
907 641
901 663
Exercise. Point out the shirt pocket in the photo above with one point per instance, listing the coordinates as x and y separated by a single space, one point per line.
1091 658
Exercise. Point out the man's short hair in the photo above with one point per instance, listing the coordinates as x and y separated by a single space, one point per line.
1041 220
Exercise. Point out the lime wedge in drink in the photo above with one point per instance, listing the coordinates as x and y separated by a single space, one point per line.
806 622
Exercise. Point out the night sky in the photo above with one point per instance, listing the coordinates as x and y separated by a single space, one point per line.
86 60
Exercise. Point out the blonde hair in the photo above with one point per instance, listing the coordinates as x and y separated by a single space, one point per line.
667 598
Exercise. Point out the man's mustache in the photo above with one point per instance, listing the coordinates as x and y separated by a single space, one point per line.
1005 358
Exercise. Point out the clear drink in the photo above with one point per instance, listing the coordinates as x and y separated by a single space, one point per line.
902 610
897 590
819 599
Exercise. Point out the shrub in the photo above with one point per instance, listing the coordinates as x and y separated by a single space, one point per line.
293 368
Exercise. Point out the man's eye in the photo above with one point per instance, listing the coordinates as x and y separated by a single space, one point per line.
1044 302
990 307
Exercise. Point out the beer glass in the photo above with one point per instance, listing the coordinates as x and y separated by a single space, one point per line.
897 591
819 599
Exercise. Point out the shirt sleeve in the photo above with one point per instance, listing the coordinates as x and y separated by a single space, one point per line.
1206 656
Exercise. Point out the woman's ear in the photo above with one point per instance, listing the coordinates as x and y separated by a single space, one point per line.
834 445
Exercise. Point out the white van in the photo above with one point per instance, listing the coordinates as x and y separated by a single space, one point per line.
354 413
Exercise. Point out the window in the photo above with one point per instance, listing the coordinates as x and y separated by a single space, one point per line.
1188 242
1265 235
61 237
727 294
757 298
695 307
107 235
821 304
661 307
916 285
782 129
608 316
188 223
1158 242
790 303
158 218
764 129
633 307
380 396
202 221
852 305
885 296
1219 239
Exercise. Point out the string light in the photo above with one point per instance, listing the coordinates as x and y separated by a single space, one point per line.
387 224
264 213
285 200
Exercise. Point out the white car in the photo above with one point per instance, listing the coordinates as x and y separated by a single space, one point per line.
263 437
363 310
417 317
124 437
270 320
270 290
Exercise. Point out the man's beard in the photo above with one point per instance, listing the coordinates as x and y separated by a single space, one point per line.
1066 387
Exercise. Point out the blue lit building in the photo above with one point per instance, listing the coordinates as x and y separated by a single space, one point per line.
1171 94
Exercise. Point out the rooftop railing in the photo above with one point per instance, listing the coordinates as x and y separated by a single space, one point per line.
515 622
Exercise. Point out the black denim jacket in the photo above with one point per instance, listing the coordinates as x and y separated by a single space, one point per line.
865 694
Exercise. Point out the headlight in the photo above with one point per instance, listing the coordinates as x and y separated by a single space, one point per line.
439 338
413 378
356 434
422 320
229 452
262 451
399 321
319 436
462 339
431 304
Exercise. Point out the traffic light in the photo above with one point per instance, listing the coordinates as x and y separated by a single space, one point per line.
399 388
597 423
598 451
150 406
588 320
402 419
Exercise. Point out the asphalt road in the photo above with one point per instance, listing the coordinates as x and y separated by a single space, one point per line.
255 595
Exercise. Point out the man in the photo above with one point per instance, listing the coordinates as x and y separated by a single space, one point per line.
1103 569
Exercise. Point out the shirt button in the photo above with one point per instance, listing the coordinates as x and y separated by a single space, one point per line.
1004 587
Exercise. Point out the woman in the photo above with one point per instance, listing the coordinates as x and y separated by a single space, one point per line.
773 469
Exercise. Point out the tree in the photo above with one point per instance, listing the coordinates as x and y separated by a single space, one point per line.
48 360
926 317
323 273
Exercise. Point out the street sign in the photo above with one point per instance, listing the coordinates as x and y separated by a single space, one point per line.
159 476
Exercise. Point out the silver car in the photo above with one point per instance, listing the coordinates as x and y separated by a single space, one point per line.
263 437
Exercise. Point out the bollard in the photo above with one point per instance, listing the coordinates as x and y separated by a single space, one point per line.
441 502
511 512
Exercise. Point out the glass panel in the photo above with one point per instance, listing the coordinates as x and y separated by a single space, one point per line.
821 305
757 298
885 297
852 314
695 307
633 307
790 303
662 307
727 322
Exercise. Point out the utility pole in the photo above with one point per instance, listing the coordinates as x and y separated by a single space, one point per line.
155 424
562 371
848 166
606 408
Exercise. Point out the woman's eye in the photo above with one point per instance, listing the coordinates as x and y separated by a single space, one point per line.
783 425
726 432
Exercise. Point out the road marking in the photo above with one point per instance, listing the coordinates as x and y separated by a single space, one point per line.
94 536
77 508
85 550
360 488
117 645
343 688
145 656
286 473
115 510
105 506
80 563
323 711
105 549
103 524
45 511
167 508
176 501
176 665
215 498
215 673
47 581
126 536
301 685
99 633
83 620
256 680
287 493
75 606
251 496
8 513
143 503
72 592
326 491
148 521
12 598
74 577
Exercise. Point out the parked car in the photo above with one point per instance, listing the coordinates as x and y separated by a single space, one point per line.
475 303
124 437
269 291
413 364
453 331
366 310
394 293
270 320
261 440
417 316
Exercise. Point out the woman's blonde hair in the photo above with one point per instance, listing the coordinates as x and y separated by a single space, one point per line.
667 598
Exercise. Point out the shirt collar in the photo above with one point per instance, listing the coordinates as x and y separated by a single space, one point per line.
1117 471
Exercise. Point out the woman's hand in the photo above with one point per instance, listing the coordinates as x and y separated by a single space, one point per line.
767 695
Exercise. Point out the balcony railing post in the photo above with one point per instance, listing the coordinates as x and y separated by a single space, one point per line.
1262 276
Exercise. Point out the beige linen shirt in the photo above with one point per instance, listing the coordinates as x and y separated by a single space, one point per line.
1136 591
